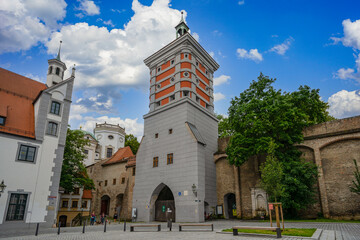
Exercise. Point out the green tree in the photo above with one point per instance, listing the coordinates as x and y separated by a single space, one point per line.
262 114
272 174
223 126
132 142
355 188
73 172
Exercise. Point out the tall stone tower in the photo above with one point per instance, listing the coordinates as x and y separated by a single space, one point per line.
174 164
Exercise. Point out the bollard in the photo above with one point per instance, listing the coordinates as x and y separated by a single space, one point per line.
278 233
105 226
59 229
170 225
84 226
124 225
37 229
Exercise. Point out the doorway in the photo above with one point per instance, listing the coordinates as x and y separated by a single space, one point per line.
164 201
230 205
62 220
105 204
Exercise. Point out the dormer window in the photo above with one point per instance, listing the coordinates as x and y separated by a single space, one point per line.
50 69
2 121
57 71
55 108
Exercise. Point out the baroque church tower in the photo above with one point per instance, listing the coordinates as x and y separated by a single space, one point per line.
174 164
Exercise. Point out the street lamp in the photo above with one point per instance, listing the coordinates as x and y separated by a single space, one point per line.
193 187
2 187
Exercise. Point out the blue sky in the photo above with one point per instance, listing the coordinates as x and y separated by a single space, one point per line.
315 43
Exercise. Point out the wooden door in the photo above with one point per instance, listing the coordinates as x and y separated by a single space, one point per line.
161 207
104 207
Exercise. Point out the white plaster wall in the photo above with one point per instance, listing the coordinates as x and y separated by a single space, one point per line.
104 141
29 177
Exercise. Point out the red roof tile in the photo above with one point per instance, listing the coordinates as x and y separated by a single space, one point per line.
131 161
17 94
120 156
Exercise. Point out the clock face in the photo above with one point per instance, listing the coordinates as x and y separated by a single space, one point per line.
121 139
99 136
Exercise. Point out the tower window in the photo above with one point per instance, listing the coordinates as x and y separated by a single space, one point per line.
186 74
105 183
172 97
172 79
170 158
55 108
172 62
159 69
50 69
2 121
27 153
197 99
197 80
155 161
57 71
111 137
197 64
123 180
109 152
17 207
186 56
114 181
157 104
52 128
156 135
186 93
170 131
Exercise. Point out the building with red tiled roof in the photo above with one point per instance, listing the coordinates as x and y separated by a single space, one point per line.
114 180
33 125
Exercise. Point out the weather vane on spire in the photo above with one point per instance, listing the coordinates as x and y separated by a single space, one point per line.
58 56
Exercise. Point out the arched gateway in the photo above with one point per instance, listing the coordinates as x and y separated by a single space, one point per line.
162 199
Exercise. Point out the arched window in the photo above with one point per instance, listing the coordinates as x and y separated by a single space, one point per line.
57 71
52 128
50 70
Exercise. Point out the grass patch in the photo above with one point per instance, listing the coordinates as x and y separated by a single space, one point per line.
301 232
316 220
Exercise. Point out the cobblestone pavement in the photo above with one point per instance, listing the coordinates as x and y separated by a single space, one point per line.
346 231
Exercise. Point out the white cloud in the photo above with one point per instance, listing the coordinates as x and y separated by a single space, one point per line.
253 54
196 36
108 22
25 23
88 8
351 39
114 58
132 126
351 34
217 33
221 80
344 104
218 96
241 2
282 48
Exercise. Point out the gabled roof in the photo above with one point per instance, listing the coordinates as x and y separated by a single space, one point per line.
131 162
120 156
196 133
17 94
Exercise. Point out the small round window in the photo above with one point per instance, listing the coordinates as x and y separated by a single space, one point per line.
186 56
186 74
158 86
111 137
172 79
197 80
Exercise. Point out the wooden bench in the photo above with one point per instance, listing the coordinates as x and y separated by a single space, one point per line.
195 225
146 225
278 230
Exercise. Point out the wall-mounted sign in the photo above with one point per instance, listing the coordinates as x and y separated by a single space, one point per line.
185 193
219 210
163 208
271 206
179 193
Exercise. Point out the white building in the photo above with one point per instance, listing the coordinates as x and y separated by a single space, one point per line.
33 124
106 140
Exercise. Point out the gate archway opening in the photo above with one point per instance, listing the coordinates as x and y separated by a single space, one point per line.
230 206
162 200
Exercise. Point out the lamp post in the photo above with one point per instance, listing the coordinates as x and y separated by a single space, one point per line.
2 187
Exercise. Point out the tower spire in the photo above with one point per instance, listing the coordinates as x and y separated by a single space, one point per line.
181 28
58 56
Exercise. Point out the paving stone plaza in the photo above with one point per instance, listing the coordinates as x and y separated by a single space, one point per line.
342 231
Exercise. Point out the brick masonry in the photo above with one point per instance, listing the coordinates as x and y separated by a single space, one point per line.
331 145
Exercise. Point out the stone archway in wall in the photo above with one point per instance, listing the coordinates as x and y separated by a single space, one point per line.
162 199
105 205
229 205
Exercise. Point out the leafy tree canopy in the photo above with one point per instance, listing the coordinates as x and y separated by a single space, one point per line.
262 114
73 172
132 142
